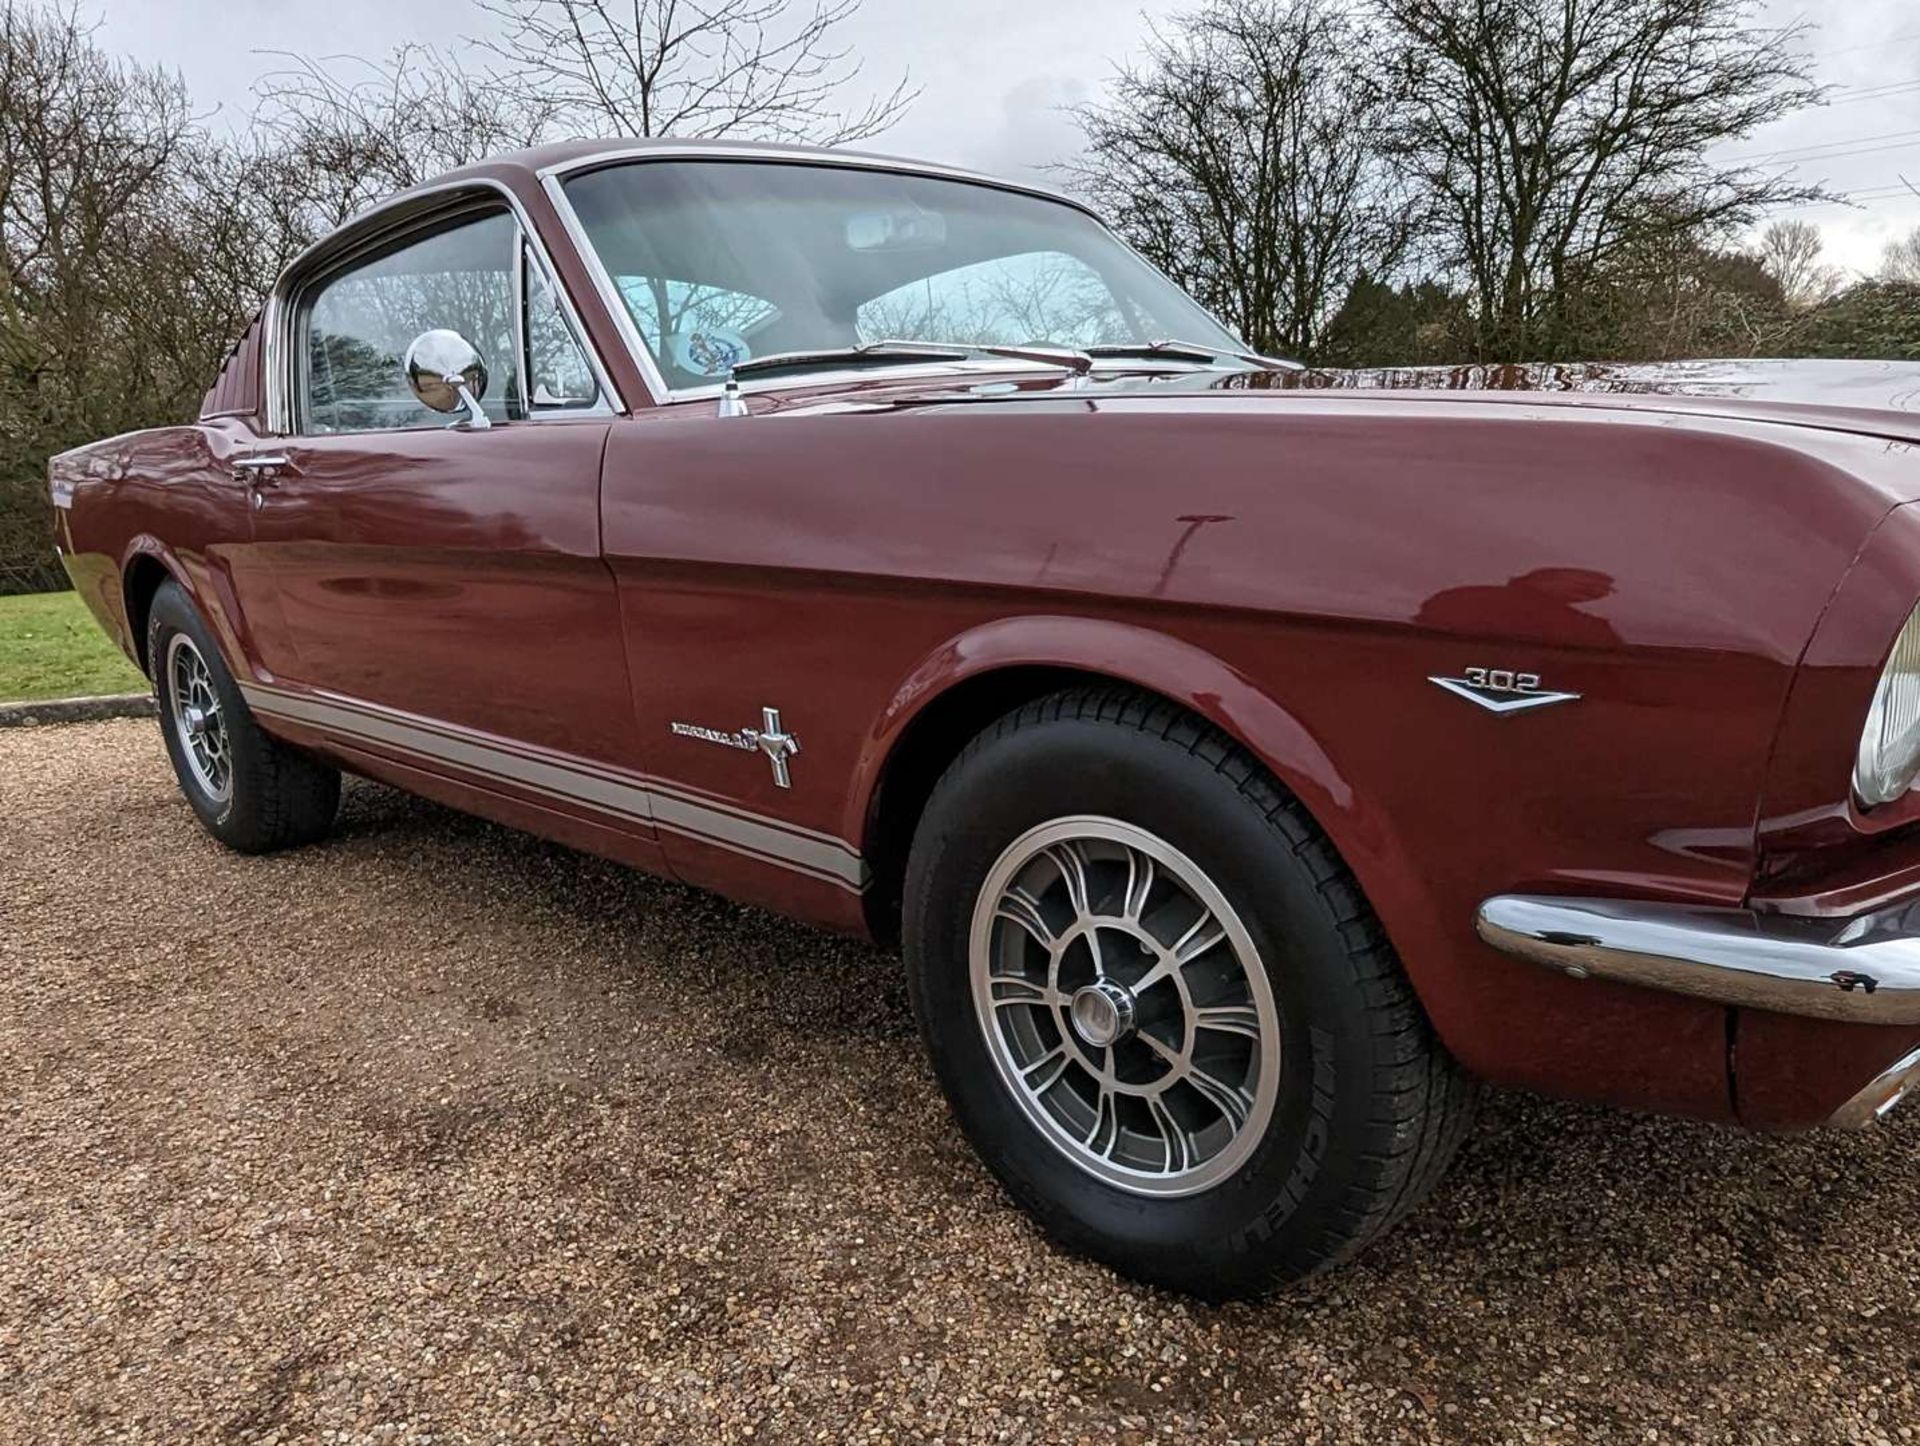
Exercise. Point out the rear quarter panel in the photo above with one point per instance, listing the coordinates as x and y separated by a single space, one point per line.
167 494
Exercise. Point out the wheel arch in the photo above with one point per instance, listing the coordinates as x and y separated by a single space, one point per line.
141 577
919 750
962 687
147 563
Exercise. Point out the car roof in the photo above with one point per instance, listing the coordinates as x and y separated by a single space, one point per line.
567 155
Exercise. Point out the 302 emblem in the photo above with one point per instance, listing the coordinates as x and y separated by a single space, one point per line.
1502 690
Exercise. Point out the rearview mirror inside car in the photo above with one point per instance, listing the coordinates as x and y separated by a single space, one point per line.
906 228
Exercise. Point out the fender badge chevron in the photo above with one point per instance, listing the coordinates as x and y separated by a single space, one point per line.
1501 690
769 739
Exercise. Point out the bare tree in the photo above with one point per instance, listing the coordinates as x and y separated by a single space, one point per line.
83 141
1900 260
1239 157
334 135
1549 135
1790 254
757 69
1667 296
89 341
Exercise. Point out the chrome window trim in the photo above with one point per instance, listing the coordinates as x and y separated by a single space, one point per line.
377 226
522 342
801 156
552 181
457 209
609 294
527 256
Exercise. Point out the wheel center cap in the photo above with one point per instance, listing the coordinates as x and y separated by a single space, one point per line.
1102 1013
196 720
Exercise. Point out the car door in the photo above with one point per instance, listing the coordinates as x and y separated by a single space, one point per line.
440 581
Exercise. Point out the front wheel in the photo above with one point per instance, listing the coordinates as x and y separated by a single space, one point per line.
1160 1006
252 792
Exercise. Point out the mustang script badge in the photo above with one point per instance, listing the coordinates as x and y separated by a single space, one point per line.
1501 690
769 739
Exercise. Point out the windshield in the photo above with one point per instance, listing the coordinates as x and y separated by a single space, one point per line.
720 262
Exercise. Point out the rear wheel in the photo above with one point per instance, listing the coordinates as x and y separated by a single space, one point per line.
1160 1006
253 793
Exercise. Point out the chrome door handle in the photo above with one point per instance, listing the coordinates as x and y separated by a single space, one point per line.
259 471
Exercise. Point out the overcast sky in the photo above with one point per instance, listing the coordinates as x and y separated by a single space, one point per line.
995 75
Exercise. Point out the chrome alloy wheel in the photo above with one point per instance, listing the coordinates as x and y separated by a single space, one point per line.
1125 1006
194 709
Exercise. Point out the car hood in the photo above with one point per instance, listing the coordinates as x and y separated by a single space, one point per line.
1874 398
1882 397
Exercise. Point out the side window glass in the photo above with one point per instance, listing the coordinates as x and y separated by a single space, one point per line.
359 324
559 375
1038 297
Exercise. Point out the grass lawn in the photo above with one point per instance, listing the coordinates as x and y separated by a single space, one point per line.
50 647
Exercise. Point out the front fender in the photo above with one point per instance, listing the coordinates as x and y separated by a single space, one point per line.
1317 718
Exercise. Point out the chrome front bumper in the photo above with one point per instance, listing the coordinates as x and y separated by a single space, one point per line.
1863 970
1880 1094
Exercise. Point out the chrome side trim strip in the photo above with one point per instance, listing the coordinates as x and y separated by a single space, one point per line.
630 797
663 788
627 801
755 836
1863 970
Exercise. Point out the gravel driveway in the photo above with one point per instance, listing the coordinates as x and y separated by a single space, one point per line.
437 1131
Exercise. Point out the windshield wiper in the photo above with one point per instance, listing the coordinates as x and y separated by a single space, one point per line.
883 353
1173 350
909 353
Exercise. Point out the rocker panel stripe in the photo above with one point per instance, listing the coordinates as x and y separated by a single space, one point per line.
629 796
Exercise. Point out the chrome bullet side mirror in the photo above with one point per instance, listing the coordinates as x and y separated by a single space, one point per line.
446 374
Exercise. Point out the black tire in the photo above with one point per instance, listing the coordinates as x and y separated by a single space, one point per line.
1370 1107
274 797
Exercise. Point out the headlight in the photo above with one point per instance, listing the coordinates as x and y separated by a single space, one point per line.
1889 757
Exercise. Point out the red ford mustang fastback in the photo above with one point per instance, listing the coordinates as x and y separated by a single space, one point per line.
1248 761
